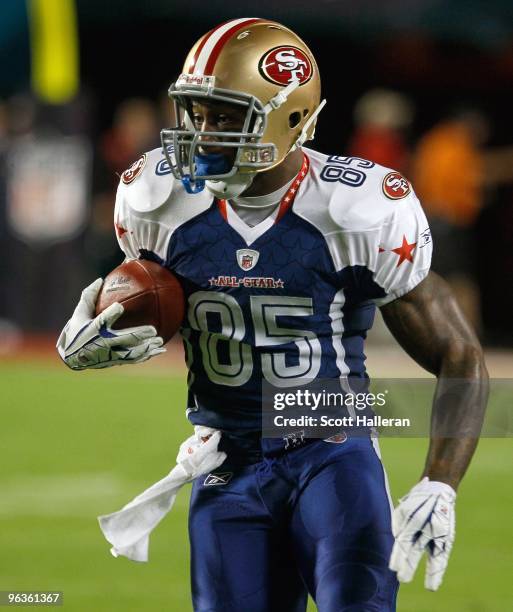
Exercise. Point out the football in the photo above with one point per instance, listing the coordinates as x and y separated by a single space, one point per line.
150 294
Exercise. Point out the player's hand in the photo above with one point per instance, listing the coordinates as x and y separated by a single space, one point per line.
424 520
90 342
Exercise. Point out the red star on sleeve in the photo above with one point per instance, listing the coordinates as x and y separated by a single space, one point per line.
120 230
404 251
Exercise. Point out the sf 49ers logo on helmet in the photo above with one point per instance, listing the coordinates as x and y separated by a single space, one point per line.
282 65
395 186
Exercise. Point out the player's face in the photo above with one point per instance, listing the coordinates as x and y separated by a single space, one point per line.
217 117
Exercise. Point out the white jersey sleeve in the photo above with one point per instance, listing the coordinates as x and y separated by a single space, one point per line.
402 254
382 234
150 205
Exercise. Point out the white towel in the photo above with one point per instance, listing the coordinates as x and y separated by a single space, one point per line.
129 529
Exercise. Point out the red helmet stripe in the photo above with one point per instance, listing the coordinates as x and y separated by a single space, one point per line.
197 65
218 47
194 61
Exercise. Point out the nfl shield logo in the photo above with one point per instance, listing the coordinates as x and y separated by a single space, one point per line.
247 258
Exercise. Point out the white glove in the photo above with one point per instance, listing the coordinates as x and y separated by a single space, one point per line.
89 342
424 520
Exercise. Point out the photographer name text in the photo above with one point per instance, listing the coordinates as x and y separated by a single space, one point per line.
346 421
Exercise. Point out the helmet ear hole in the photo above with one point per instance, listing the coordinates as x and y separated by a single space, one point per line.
294 119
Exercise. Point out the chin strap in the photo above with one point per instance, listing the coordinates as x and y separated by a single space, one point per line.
276 101
281 97
303 135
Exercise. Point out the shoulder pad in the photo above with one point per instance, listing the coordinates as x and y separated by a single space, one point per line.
368 206
148 183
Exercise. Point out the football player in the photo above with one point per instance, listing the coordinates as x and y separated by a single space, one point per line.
284 254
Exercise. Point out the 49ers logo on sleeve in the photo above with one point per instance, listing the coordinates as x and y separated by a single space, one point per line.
395 186
134 171
282 65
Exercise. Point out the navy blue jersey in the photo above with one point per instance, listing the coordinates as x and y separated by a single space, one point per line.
289 300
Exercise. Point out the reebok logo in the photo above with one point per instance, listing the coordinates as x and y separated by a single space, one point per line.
215 480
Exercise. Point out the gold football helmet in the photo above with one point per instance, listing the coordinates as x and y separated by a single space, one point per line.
263 68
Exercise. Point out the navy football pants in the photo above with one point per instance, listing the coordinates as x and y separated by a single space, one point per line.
315 519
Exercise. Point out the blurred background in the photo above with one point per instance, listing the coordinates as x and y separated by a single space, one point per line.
422 86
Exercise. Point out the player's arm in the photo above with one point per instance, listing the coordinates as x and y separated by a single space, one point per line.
430 326
428 323
90 341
